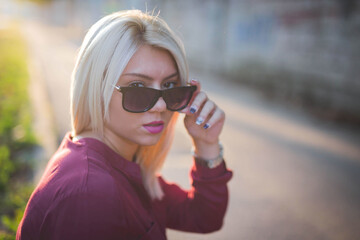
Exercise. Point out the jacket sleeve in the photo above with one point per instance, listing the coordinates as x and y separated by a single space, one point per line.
202 208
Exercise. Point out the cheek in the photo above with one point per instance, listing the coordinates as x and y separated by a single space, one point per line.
117 114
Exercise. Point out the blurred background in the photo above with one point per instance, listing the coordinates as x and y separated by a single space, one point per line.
285 72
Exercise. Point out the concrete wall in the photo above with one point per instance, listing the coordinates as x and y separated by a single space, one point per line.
304 51
307 52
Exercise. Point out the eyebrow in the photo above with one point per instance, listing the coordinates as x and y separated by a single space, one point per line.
148 77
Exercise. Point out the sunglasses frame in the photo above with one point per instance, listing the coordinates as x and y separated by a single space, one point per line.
159 94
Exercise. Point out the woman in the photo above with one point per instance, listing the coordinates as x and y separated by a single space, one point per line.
128 87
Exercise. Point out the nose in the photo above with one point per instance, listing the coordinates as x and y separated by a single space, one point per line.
159 106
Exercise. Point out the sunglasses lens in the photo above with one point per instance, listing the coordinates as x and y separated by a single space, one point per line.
178 98
138 99
141 99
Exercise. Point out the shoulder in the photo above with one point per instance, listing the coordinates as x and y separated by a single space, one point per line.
74 171
76 188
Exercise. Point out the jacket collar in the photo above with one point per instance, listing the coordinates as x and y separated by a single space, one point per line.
130 169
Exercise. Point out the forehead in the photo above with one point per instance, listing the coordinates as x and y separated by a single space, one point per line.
151 60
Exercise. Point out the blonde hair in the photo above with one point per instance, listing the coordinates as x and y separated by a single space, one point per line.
106 50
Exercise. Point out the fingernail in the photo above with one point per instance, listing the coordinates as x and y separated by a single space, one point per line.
194 81
199 121
206 126
193 109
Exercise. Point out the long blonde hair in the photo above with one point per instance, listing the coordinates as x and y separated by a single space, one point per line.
106 50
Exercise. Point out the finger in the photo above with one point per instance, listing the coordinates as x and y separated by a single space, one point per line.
193 82
217 116
198 101
205 112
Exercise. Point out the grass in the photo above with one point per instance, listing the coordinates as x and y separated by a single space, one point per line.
17 140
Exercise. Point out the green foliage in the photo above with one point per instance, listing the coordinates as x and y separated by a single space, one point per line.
37 2
6 166
6 236
16 137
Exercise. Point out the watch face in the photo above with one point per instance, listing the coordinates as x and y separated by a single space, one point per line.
215 163
210 163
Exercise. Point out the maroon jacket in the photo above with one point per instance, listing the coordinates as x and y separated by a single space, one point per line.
90 192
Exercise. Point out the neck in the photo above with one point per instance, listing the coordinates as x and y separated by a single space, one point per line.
122 146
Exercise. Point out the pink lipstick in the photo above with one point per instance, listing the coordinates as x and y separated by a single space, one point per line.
154 127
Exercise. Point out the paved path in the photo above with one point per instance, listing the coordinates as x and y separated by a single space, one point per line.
294 177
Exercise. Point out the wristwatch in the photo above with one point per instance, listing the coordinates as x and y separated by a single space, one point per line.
210 163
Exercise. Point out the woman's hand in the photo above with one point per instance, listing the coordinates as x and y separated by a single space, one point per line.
204 121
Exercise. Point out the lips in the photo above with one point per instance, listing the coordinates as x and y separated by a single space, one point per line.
154 127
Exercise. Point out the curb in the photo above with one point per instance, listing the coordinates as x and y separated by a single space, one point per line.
43 117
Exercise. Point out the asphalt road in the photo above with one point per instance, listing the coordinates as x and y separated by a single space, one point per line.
295 177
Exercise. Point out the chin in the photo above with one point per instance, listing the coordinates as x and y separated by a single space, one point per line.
149 141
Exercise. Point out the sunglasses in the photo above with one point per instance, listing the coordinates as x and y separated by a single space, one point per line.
142 99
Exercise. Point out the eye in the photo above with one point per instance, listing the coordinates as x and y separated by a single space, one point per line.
168 85
136 84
